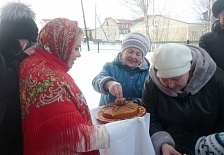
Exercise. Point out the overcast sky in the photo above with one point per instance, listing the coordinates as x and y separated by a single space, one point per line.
49 9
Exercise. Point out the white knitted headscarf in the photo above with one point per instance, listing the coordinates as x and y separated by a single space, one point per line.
171 60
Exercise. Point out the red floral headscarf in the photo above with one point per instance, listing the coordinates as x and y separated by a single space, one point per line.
58 37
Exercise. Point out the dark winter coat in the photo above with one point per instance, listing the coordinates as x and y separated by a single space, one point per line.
213 43
179 119
131 80
10 112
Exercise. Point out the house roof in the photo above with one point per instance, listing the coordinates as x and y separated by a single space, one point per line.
120 21
123 21
141 18
153 16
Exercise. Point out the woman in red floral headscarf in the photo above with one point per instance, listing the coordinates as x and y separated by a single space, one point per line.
56 118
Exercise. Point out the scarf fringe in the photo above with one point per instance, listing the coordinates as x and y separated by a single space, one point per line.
58 136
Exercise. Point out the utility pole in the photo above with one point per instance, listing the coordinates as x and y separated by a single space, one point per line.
87 38
95 22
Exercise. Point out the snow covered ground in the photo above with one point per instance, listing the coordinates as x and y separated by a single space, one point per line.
88 66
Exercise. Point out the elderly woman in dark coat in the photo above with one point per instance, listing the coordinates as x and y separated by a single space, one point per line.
184 96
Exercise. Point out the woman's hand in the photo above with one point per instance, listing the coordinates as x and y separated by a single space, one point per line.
115 88
169 150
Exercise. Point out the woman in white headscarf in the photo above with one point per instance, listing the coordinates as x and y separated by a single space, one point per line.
184 96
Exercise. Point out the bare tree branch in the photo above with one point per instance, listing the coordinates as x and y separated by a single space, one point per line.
202 7
140 7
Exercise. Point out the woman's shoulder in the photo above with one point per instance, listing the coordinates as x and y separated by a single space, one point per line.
207 35
111 65
219 74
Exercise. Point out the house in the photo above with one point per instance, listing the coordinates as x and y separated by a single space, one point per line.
164 29
112 30
124 25
161 29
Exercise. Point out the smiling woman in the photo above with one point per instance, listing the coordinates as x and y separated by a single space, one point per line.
75 53
55 116
125 75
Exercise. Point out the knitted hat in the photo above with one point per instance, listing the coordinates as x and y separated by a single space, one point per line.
17 21
212 144
217 8
138 41
171 60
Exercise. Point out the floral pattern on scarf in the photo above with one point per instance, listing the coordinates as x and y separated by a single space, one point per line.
55 113
58 37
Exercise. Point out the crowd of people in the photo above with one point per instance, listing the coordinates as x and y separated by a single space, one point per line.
43 111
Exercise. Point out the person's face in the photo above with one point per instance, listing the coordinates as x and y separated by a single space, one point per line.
132 57
175 83
75 53
221 18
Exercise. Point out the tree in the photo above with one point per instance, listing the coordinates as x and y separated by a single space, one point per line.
140 7
204 10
